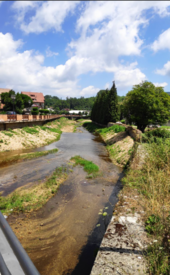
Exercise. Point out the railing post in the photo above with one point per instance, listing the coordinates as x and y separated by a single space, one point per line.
25 262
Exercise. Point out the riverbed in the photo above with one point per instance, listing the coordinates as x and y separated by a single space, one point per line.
63 237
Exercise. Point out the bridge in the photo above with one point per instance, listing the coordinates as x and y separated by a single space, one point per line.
20 121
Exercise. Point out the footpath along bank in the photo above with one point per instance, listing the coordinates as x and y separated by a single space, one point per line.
137 240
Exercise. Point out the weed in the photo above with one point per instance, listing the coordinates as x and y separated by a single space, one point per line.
89 166
1 141
153 184
30 130
35 197
7 133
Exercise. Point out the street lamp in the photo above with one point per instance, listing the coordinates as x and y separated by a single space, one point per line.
13 98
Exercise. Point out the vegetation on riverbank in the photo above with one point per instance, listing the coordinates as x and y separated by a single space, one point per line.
36 136
23 156
152 182
91 168
119 144
28 199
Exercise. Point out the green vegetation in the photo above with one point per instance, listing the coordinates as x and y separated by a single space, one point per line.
89 166
34 197
24 156
158 136
114 128
7 133
69 103
91 127
30 130
35 111
21 101
153 185
106 108
146 104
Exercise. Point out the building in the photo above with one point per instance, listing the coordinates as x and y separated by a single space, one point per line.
78 111
37 98
2 90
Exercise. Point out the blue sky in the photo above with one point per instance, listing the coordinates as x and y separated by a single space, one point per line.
76 48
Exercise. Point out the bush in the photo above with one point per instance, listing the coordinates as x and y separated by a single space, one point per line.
44 111
35 111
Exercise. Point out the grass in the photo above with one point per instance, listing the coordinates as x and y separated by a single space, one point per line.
89 166
114 128
91 127
34 197
27 156
153 184
30 130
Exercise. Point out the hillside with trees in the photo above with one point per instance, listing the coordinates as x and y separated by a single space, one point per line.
71 103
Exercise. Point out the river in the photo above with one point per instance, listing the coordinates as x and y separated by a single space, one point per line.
62 237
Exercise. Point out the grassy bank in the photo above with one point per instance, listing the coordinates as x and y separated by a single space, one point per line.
36 136
89 167
152 182
17 158
34 197
119 144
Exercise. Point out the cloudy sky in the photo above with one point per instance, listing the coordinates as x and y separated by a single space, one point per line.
77 48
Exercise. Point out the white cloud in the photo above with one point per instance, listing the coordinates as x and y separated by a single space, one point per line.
49 53
107 85
25 71
48 15
164 84
128 76
165 70
89 91
163 41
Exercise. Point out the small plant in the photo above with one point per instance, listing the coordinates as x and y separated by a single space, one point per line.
151 223
1 141
89 166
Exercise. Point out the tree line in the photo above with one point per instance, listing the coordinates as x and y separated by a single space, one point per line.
145 104
71 103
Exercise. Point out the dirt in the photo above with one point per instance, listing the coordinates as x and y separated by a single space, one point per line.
22 140
69 127
120 146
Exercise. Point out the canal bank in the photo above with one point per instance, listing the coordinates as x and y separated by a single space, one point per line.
63 227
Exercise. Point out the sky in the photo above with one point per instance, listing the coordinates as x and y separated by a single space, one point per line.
76 48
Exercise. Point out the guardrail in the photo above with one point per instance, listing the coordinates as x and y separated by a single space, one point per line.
12 117
24 260
19 118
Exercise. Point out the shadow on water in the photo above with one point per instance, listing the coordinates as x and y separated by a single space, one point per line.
62 237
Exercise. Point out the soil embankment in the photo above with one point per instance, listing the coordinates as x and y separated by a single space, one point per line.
37 136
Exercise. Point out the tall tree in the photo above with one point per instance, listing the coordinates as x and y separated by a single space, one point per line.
146 104
113 109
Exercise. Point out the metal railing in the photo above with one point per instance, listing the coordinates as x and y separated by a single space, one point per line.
24 260
12 117
34 117
25 117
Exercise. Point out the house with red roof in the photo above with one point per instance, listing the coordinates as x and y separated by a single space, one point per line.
37 98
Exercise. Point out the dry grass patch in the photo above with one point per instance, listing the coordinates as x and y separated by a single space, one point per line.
153 184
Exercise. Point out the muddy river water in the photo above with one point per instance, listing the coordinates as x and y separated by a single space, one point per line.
63 236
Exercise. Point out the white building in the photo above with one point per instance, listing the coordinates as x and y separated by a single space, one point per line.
77 111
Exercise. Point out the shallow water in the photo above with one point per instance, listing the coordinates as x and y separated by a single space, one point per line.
67 241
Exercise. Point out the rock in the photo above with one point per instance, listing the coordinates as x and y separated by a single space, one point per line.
134 133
